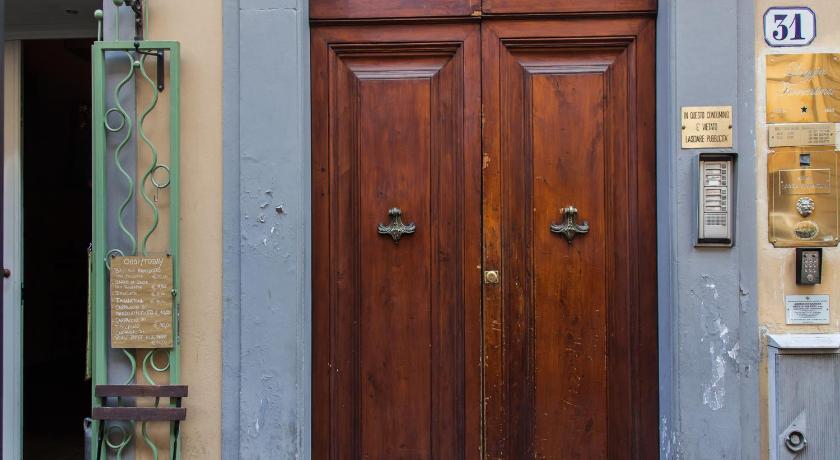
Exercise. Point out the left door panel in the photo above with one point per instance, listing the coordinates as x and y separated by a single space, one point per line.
396 337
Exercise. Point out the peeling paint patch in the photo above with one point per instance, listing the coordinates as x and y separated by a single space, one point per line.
733 353
717 336
723 331
744 299
714 392
710 284
261 414
670 442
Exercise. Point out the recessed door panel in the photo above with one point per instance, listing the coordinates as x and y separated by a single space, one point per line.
570 326
394 332
398 231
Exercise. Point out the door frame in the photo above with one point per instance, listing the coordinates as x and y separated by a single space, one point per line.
11 345
637 36
247 55
12 253
247 58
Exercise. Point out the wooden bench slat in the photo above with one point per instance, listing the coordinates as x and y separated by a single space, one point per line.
140 414
139 391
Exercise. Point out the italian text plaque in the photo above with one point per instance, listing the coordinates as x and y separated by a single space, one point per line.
707 127
807 309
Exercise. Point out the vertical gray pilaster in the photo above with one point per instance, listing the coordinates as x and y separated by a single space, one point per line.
266 407
708 313
231 234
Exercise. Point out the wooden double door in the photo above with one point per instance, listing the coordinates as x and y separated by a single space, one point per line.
462 309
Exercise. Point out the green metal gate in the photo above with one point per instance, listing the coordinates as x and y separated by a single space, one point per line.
153 190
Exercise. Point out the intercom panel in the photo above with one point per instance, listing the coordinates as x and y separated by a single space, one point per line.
803 197
715 200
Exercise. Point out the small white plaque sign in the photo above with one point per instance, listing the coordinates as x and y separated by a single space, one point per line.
807 309
790 26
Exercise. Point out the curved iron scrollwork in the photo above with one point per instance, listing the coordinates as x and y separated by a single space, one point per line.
569 228
396 229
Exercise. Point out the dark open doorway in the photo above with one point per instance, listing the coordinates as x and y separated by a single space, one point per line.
56 233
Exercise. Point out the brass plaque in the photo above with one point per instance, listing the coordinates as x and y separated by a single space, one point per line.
803 88
706 127
141 302
805 181
803 197
802 134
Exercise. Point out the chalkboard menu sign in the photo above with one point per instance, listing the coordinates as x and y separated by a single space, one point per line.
141 302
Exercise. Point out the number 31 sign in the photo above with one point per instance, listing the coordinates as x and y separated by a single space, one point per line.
794 26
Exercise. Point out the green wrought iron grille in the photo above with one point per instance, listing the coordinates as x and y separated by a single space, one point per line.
151 187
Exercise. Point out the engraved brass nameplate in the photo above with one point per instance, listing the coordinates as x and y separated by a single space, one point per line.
804 181
803 197
802 134
141 302
803 88
706 127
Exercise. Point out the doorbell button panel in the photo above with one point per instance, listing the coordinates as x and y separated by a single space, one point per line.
715 198
808 266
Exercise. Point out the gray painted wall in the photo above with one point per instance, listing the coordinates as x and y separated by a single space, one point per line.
708 312
266 365
708 315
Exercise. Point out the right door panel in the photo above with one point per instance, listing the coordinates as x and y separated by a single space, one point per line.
570 332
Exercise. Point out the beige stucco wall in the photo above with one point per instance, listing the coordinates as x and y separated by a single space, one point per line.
197 25
776 267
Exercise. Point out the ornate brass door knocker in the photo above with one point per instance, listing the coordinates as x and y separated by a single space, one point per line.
569 228
396 229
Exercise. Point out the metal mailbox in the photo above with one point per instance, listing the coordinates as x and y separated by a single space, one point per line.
804 396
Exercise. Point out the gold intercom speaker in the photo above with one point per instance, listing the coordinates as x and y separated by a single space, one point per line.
803 197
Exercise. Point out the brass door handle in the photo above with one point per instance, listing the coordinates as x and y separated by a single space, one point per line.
569 228
396 229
